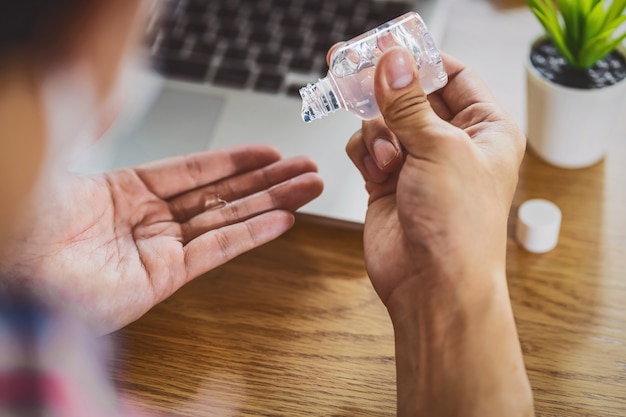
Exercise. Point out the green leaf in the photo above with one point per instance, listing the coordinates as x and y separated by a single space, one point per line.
539 5
559 42
595 51
614 44
595 2
551 8
589 53
615 10
595 19
584 5
570 15
543 19
559 36
553 29
616 23
545 16
609 29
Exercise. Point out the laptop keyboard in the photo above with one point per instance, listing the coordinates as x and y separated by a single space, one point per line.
264 45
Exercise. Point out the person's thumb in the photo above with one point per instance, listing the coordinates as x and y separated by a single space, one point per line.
404 105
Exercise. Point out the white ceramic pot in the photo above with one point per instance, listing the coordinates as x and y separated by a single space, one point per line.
570 127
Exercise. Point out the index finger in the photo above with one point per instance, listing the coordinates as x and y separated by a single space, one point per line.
464 87
173 176
331 50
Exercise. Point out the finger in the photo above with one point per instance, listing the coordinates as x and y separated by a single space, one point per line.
230 241
464 87
405 106
439 102
382 145
477 111
173 176
289 195
190 204
331 50
361 158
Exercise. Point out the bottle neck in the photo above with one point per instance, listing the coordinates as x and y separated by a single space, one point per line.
319 100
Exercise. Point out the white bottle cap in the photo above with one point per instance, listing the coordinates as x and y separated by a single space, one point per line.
538 225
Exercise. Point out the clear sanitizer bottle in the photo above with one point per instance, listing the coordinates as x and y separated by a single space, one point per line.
349 83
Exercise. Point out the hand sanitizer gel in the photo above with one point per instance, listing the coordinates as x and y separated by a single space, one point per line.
349 83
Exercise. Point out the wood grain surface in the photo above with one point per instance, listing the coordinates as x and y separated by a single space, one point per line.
570 303
293 328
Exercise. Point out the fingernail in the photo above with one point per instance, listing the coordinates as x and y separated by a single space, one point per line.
399 71
385 152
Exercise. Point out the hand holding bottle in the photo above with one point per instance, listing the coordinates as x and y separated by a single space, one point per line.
441 172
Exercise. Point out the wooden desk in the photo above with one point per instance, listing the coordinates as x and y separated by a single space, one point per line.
295 329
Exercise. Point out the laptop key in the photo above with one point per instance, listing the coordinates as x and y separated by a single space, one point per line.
197 27
323 44
282 3
356 28
261 16
302 62
227 14
345 9
269 58
202 52
172 44
294 91
292 23
236 54
203 48
182 69
166 24
383 12
269 82
228 32
260 34
291 41
196 7
392 10
323 26
232 76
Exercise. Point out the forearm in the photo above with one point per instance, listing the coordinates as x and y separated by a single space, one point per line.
458 352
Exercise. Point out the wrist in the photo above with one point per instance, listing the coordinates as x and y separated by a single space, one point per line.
457 349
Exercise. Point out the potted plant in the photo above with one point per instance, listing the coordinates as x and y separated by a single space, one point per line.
576 80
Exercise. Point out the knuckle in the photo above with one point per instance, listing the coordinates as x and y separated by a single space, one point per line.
375 129
406 106
194 168
224 245
353 142
274 196
234 213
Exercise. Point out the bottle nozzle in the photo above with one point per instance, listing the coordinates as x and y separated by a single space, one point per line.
318 100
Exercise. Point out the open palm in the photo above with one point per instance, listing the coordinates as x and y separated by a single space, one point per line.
111 246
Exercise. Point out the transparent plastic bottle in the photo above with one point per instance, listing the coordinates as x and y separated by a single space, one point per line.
349 83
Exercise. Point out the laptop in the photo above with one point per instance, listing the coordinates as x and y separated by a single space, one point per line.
227 72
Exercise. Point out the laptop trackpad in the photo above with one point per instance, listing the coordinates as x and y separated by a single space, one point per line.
179 122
